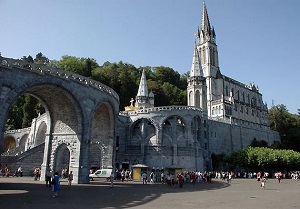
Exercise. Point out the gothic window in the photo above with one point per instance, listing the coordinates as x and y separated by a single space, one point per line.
211 53
232 92
197 102
248 99
204 123
204 55
226 91
238 95
191 98
243 96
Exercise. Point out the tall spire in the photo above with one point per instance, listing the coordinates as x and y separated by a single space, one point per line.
205 26
207 32
143 88
196 69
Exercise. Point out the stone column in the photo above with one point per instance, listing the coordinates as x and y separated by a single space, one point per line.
46 159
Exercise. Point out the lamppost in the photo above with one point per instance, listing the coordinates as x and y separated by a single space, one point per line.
102 156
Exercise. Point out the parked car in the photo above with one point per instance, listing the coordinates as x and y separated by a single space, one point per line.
102 173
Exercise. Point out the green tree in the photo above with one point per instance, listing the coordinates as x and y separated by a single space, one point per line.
288 126
41 59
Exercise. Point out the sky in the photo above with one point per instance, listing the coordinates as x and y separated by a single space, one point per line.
258 40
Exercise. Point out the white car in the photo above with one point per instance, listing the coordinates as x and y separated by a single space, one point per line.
102 173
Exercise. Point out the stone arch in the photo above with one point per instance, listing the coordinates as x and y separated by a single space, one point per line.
22 143
196 128
174 127
62 156
41 134
9 143
69 100
102 137
143 131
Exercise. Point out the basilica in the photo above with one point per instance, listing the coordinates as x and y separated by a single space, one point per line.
222 115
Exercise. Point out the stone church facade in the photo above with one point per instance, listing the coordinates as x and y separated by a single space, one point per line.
223 115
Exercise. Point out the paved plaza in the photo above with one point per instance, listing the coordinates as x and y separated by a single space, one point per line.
24 192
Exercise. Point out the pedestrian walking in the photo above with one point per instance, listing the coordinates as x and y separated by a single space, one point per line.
144 177
55 184
70 178
48 178
180 180
152 178
111 180
263 183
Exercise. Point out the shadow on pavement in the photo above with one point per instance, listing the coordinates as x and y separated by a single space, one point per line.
97 194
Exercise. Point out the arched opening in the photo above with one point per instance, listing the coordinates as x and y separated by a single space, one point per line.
102 139
197 99
196 128
22 143
95 157
9 144
62 159
41 134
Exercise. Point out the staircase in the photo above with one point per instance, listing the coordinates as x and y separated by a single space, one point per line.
27 160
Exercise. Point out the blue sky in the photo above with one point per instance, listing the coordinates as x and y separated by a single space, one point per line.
258 40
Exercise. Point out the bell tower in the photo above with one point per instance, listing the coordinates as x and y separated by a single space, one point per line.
208 50
196 90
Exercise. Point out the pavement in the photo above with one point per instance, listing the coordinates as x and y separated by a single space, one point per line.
24 192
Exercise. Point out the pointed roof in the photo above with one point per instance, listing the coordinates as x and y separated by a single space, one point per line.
143 88
196 69
205 25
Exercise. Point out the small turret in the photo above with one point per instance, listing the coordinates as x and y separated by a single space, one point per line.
143 99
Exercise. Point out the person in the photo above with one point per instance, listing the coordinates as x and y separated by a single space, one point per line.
70 178
152 178
180 180
162 178
144 177
112 180
122 175
18 172
48 178
263 183
55 184
6 171
229 177
279 175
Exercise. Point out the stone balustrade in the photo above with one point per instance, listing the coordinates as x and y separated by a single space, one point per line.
157 109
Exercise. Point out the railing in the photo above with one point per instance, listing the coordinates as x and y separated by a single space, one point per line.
44 69
157 109
17 131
